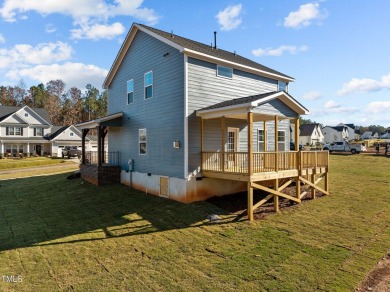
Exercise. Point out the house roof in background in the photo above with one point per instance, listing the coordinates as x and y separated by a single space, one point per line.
194 49
307 129
6 111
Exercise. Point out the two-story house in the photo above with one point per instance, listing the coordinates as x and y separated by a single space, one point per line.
191 121
310 134
22 130
334 134
28 131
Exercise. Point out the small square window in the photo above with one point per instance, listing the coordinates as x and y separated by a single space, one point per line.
148 82
282 86
26 114
71 134
130 91
224 71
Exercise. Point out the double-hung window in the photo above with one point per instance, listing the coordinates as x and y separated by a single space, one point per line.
130 91
281 140
260 141
38 132
142 141
224 71
148 83
14 131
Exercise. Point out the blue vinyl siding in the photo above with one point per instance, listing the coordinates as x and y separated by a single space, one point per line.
162 115
205 88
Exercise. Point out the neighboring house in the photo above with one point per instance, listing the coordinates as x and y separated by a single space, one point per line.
68 136
310 134
22 130
351 131
179 114
334 134
28 131
386 135
369 135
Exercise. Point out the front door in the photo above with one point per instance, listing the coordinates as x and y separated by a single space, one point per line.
232 147
38 150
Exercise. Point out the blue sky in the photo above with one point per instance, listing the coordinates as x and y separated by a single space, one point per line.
337 50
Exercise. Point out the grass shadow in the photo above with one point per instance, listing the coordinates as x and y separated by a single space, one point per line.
52 210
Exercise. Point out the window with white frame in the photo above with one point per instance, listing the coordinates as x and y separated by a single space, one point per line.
281 140
148 83
38 132
130 91
224 71
282 86
71 134
14 131
260 141
142 141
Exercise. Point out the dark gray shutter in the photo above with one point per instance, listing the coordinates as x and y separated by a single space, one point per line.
21 131
35 131
7 131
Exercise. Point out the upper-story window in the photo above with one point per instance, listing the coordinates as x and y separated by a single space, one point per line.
71 134
14 131
26 114
224 71
38 132
282 86
130 91
148 82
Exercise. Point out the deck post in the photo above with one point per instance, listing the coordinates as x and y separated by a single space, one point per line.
298 187
313 190
223 143
201 143
276 145
83 136
297 134
250 202
276 197
250 143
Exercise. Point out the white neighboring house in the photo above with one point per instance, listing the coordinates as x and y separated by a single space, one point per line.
369 135
22 130
310 134
29 131
334 134
69 136
351 130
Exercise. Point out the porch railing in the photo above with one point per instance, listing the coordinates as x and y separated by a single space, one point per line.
112 158
237 162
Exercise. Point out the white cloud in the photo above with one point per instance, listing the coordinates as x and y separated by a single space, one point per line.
229 18
50 28
23 54
98 31
332 105
279 51
73 74
304 16
377 107
86 12
2 39
312 95
365 85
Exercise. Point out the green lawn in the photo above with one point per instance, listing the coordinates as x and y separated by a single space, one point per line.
60 234
11 163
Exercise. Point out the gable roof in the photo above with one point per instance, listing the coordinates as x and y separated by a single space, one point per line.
249 102
307 129
196 50
337 128
6 111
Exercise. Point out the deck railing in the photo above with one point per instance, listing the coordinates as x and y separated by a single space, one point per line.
112 158
237 162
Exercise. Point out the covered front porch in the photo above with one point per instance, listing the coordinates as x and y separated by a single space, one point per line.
266 163
100 167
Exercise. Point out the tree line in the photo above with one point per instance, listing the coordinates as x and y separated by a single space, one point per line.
65 107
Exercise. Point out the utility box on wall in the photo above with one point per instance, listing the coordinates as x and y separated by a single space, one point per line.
131 164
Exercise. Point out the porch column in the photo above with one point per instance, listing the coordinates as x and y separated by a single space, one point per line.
201 143
223 143
99 145
2 148
297 134
276 144
250 143
103 136
84 134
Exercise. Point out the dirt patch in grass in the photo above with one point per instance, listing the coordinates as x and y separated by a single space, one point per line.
378 279
237 203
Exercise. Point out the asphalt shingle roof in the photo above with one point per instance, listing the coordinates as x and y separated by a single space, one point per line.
209 50
307 129
6 111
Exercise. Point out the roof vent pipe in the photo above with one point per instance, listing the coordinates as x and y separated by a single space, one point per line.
215 39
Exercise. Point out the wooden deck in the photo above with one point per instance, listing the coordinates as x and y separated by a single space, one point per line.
283 168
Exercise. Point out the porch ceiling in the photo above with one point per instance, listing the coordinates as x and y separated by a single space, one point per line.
114 120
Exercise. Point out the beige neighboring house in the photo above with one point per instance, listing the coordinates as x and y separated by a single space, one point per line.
29 131
310 134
